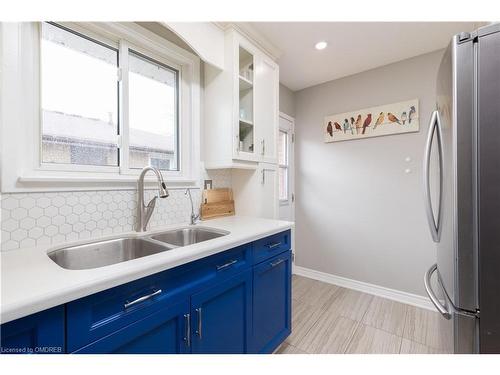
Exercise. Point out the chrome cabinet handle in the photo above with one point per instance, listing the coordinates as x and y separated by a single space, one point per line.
273 245
225 265
141 299
435 301
263 147
263 171
434 224
187 335
200 324
274 264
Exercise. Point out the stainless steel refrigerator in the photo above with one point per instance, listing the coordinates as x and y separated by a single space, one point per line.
462 189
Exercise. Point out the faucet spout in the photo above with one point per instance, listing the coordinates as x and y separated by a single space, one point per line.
144 212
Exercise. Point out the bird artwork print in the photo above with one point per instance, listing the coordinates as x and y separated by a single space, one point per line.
367 122
329 128
393 118
403 117
380 120
412 114
358 124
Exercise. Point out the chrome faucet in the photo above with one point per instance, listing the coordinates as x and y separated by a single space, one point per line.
144 212
193 216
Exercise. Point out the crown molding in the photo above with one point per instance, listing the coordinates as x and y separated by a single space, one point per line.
255 36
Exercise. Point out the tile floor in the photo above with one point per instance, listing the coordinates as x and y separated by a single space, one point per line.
330 319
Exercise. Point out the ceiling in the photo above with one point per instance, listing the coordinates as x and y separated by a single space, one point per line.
353 47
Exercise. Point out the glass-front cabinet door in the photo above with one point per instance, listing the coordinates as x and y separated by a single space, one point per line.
246 129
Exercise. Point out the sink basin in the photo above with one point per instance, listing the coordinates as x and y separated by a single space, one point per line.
104 253
188 236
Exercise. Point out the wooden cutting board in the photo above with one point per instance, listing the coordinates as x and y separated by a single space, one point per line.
217 195
217 203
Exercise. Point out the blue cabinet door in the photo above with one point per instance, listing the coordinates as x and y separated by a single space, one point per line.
221 317
163 332
40 333
271 303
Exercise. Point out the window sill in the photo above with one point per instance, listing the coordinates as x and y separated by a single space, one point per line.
28 183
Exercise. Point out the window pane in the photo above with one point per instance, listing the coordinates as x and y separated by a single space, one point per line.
282 148
153 95
79 99
283 183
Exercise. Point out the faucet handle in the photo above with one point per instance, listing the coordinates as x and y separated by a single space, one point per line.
152 202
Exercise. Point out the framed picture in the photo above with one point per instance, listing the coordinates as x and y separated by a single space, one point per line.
389 119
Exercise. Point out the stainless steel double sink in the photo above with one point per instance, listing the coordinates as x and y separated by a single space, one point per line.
107 252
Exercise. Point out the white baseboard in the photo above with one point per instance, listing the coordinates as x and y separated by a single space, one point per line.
376 290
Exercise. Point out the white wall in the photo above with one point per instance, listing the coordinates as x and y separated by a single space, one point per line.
358 215
287 101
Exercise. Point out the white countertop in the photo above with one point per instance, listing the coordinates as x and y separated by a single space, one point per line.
32 282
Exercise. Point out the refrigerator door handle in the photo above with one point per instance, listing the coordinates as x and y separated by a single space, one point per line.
434 299
434 224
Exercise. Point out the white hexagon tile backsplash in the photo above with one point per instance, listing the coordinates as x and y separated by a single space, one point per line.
32 219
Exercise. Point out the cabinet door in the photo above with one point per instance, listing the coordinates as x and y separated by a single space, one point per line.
40 333
244 112
256 191
269 191
271 303
266 109
221 317
163 332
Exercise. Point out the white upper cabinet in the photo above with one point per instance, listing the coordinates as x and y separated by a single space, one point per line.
244 131
241 107
267 103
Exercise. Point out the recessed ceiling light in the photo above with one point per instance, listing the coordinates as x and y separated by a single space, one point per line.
321 45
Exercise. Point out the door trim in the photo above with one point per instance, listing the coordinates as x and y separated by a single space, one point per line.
291 162
291 171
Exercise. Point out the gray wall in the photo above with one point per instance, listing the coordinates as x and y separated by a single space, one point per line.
287 101
358 214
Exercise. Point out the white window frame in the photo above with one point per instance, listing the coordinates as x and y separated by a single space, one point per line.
21 166
290 159
285 166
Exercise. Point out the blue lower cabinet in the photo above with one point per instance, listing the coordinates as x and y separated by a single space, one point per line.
163 332
271 303
236 301
40 333
271 246
221 317
96 316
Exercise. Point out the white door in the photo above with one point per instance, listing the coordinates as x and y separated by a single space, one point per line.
286 194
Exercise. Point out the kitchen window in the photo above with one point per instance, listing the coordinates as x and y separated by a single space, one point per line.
153 93
283 165
79 111
94 103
